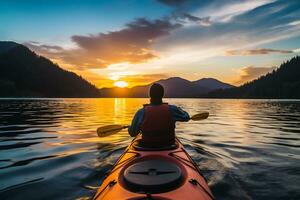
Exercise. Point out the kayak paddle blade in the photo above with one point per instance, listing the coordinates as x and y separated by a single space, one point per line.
200 116
109 130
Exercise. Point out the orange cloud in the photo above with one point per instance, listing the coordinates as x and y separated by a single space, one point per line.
250 73
131 44
256 52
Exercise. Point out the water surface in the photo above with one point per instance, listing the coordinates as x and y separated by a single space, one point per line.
247 149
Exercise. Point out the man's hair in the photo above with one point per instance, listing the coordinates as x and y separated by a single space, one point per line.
156 93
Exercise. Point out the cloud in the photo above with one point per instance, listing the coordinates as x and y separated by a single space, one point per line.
190 19
43 47
262 51
250 73
221 11
227 11
250 27
292 23
131 44
72 59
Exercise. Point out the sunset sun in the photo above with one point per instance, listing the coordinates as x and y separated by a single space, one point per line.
121 84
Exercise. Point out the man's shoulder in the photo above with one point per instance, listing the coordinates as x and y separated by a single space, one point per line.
173 106
140 111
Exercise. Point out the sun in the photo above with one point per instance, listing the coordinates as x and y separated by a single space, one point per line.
121 84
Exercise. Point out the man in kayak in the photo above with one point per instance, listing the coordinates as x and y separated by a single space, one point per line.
156 121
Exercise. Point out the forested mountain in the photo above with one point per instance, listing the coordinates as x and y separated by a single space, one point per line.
25 74
174 87
283 82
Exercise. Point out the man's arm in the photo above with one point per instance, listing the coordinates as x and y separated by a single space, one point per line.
137 120
179 114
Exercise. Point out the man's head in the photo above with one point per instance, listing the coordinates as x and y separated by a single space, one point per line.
156 93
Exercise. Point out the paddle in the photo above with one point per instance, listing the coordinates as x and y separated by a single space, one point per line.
112 129
109 130
200 116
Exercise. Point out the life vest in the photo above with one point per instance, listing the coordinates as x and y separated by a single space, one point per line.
158 126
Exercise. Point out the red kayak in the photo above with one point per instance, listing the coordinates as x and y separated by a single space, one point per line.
162 173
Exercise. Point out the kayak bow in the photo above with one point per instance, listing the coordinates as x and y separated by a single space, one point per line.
160 174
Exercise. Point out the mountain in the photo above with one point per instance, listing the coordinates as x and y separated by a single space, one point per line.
174 87
282 83
212 84
25 74
6 46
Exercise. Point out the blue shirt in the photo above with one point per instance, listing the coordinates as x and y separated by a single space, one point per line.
177 113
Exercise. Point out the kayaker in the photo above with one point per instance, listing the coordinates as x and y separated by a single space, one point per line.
156 121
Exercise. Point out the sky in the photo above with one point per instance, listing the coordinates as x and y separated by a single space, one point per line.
141 41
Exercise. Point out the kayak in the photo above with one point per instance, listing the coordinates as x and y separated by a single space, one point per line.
161 173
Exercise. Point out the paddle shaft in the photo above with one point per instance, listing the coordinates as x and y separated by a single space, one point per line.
127 126
113 129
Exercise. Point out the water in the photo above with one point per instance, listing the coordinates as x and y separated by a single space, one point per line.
247 149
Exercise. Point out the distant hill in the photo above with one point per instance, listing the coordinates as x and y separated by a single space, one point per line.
25 74
174 87
283 82
213 84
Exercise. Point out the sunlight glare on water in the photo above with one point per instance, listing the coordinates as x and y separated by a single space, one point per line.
49 149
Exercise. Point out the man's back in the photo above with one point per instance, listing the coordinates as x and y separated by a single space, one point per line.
156 120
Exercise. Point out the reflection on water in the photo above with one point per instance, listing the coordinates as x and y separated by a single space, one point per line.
247 149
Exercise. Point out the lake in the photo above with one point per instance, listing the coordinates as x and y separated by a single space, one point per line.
247 149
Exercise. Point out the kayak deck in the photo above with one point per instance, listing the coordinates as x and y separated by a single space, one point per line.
163 175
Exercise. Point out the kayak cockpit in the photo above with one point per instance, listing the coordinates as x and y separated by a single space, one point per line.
140 146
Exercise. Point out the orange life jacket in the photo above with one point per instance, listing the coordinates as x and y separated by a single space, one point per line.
158 126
